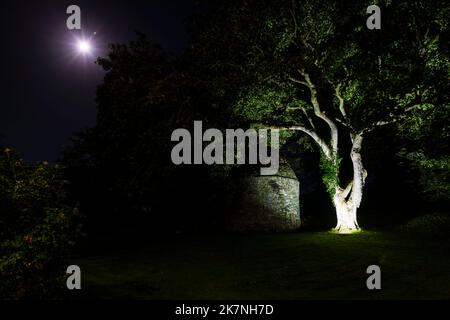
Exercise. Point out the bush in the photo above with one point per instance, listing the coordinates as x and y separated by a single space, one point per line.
37 229
430 224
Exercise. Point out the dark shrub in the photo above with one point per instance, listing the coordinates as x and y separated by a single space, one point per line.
37 229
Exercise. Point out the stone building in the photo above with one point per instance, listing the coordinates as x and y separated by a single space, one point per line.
265 203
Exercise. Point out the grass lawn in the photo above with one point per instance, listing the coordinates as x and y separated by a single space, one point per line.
264 266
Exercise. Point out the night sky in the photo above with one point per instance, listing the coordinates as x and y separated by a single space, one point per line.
47 93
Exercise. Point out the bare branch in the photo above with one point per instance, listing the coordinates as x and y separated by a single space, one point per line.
318 112
413 107
305 113
322 144
294 108
311 122
393 120
298 81
345 124
341 101
293 18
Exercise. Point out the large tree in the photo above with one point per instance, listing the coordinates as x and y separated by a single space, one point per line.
313 66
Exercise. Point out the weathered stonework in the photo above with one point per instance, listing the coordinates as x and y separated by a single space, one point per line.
266 203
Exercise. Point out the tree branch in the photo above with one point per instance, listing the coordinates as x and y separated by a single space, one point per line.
344 123
348 188
298 81
293 18
322 144
311 123
359 173
393 120
341 101
318 112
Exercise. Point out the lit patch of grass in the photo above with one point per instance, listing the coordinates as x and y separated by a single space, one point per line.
348 232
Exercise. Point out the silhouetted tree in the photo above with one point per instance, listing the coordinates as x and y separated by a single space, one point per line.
122 165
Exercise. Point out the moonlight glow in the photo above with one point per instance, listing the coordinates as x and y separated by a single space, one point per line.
84 46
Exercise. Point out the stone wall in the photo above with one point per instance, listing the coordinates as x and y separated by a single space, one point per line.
266 203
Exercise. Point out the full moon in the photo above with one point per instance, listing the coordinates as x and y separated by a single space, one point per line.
84 46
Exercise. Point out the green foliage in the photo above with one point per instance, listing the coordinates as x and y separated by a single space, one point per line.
330 174
263 106
254 48
429 121
430 224
37 229
427 152
266 104
434 174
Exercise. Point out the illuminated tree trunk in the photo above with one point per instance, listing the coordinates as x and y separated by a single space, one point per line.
345 214
348 200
